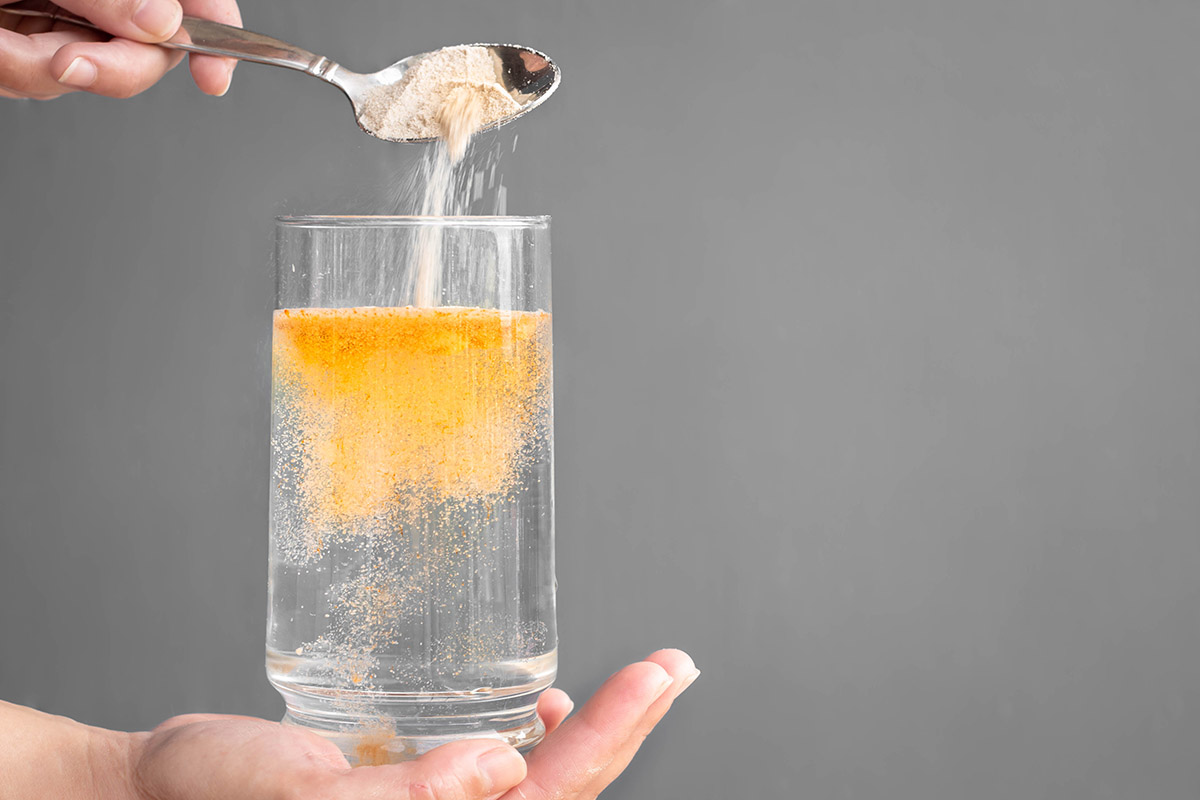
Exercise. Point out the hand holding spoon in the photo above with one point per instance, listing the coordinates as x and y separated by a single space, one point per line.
528 75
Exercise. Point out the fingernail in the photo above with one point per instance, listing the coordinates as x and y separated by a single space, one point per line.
228 80
80 73
501 768
662 687
690 679
158 18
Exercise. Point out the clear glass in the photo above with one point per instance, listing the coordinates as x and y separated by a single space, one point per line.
412 489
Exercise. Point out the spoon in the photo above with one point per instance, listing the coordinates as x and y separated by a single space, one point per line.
528 76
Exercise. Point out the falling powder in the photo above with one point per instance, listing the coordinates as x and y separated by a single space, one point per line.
448 95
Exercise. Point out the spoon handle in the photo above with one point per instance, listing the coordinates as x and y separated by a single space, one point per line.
212 38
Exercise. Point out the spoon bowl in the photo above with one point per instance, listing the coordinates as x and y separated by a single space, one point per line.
527 75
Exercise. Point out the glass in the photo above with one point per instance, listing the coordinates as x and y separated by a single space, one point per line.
412 498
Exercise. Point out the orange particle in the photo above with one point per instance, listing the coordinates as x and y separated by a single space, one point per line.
371 750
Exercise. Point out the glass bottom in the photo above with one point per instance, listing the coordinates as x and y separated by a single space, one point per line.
373 746
399 730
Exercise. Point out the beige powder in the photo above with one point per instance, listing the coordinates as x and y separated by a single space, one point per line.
447 94
460 116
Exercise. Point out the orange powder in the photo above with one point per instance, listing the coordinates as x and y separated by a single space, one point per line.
401 408
371 749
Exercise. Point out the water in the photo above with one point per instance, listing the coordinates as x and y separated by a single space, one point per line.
411 562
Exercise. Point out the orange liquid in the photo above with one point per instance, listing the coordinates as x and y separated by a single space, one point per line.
401 408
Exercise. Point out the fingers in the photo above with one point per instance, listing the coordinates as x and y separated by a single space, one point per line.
25 62
25 25
120 68
475 769
553 707
592 748
188 719
565 764
213 74
31 67
139 20
52 63
683 672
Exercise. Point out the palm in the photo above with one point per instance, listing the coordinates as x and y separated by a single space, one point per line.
212 756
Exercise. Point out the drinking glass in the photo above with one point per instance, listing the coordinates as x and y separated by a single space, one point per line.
412 488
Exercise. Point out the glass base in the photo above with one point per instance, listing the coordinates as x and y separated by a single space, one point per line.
371 741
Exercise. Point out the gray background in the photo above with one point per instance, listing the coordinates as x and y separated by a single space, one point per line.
878 380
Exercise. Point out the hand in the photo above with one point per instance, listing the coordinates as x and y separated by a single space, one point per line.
43 59
580 759
203 756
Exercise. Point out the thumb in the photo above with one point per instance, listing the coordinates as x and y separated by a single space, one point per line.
475 769
140 20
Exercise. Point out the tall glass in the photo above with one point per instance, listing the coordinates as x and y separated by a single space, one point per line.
412 489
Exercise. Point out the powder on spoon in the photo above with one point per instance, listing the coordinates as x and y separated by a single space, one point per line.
447 94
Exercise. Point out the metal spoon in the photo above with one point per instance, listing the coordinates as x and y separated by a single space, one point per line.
529 76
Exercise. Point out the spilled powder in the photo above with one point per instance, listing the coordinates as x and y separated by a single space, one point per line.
462 77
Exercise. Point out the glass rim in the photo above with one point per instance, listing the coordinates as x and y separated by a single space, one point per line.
407 221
